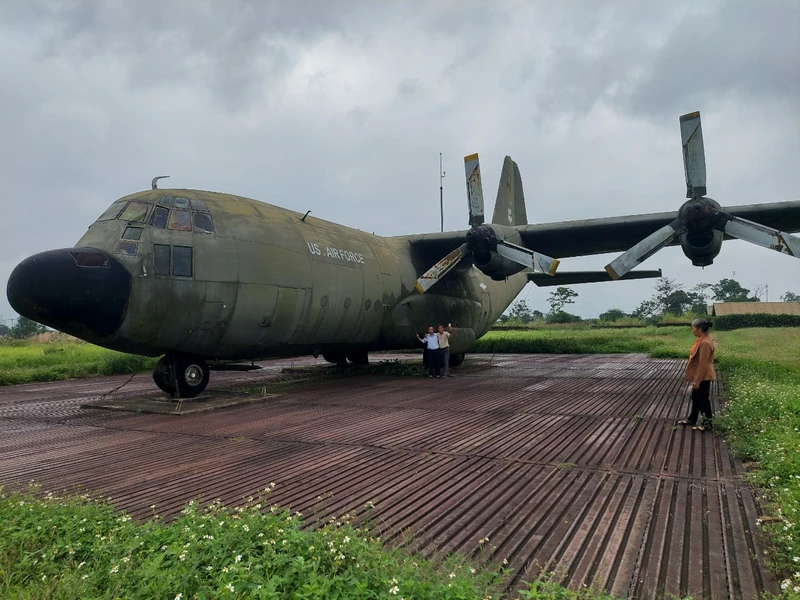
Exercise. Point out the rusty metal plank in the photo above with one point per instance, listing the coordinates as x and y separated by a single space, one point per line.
569 463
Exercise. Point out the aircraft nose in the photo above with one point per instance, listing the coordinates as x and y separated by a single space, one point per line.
80 291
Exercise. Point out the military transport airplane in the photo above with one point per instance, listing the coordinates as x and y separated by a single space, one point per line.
197 276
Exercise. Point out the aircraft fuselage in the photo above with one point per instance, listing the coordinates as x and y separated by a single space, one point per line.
225 277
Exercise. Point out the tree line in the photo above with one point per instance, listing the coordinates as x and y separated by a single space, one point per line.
670 299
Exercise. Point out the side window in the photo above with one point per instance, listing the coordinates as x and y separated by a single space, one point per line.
161 256
182 261
199 205
202 222
135 211
165 201
160 217
132 233
181 203
127 248
180 220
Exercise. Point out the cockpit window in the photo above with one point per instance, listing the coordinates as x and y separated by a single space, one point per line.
165 201
135 211
112 211
160 217
202 223
132 233
199 205
180 220
180 203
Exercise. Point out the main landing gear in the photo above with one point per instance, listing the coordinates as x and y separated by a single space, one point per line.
181 375
356 357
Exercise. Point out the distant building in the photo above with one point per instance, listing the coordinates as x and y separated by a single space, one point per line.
719 309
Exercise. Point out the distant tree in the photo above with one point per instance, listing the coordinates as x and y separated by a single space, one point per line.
613 314
648 309
26 328
4 329
730 290
790 297
520 312
538 315
560 316
758 291
560 298
699 293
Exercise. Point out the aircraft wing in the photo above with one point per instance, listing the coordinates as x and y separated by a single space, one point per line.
618 234
585 237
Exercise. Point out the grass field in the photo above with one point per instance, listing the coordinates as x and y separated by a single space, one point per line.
761 420
54 357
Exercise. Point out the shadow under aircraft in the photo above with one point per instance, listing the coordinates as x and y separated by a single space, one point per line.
194 276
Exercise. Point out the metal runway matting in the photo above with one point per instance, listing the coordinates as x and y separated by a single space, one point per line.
567 463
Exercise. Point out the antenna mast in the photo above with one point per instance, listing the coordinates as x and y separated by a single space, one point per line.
441 193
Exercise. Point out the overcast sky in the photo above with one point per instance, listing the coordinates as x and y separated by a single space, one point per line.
342 108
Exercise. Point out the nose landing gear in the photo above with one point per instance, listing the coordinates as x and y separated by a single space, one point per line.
181 375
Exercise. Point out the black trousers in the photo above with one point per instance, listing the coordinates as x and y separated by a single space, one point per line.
701 402
434 361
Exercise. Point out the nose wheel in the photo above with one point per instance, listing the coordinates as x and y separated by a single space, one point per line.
181 375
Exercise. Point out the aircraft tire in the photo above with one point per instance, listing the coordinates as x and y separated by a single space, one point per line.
457 359
358 358
161 376
340 360
192 375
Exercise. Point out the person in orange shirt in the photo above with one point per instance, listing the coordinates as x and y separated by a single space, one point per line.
700 372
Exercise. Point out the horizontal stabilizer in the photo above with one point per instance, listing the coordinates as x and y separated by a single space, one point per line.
575 277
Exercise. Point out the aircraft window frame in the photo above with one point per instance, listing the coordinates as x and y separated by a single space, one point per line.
181 202
135 217
199 228
162 220
127 248
159 267
90 260
176 225
165 201
176 265
132 233
199 205
113 211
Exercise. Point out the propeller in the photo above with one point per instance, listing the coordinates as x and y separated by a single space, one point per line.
700 217
483 240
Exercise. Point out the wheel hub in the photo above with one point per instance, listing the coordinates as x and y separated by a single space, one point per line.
193 375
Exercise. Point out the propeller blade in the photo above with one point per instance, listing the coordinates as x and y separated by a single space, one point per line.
528 258
694 158
472 168
762 235
644 249
440 269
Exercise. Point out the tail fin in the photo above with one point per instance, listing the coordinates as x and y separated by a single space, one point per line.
509 208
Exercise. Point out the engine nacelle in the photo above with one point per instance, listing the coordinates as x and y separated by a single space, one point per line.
702 242
701 246
482 241
495 266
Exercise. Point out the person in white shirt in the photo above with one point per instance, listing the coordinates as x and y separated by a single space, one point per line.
444 348
431 341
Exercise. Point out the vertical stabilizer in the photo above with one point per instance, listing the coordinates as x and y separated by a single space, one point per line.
509 208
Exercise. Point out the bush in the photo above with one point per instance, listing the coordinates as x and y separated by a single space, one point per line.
728 322
561 316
